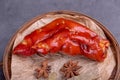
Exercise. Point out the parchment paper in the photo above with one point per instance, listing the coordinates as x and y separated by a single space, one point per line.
23 68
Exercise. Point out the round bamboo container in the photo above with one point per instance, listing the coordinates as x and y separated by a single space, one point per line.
7 54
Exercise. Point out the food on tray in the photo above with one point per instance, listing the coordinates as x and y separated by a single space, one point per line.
61 46
65 36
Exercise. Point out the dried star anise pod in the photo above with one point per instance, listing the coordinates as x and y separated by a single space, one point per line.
70 69
43 70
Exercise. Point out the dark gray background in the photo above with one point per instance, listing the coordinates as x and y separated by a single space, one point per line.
14 13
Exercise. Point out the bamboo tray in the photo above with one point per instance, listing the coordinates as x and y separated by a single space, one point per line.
7 54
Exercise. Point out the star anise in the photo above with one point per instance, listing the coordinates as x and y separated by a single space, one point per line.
43 70
70 69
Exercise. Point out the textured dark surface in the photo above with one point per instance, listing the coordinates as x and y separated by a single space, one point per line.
14 13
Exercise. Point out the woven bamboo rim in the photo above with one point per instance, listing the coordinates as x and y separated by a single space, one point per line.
7 54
